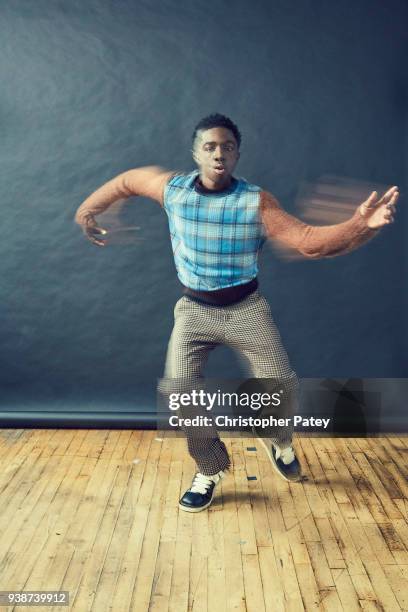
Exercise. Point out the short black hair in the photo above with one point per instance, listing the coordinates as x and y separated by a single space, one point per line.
217 120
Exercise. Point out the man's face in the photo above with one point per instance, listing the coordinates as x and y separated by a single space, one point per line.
216 154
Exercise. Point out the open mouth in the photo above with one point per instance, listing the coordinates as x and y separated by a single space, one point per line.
219 169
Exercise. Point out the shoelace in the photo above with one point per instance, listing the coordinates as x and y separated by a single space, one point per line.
287 454
202 482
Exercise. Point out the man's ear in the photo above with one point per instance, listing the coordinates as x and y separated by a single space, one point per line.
194 156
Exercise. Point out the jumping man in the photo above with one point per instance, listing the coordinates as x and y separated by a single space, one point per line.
218 224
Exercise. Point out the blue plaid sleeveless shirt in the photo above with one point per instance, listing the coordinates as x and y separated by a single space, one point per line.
215 238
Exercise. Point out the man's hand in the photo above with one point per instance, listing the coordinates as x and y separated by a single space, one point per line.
91 229
380 211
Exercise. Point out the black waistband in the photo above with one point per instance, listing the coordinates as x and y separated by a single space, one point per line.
222 297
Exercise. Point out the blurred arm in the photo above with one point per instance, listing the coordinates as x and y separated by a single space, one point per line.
313 241
148 181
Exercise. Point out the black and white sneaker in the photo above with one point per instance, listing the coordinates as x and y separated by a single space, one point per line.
284 461
200 495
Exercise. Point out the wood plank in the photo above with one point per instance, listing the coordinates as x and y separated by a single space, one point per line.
253 583
273 590
384 475
96 512
165 557
139 526
145 586
394 535
63 507
24 520
390 508
331 548
104 549
22 460
11 440
346 591
308 587
281 545
321 570
378 544
41 535
262 532
330 600
385 595
181 579
398 583
234 578
216 559
244 510
303 512
397 453
358 489
373 509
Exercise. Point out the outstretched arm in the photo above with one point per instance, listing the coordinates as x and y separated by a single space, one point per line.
328 240
148 181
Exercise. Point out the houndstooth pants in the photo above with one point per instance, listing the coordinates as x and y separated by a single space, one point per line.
248 328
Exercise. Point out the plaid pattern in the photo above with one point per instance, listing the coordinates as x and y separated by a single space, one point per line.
249 329
215 238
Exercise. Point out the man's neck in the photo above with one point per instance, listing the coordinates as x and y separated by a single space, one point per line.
209 185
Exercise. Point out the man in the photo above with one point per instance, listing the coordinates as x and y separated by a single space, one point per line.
218 224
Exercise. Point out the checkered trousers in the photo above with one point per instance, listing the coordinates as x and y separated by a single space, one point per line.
248 328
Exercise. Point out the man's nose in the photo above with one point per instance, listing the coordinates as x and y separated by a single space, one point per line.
218 153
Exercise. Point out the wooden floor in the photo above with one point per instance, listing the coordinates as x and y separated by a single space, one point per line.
95 512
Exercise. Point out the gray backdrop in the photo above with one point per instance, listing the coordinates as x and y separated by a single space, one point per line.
93 88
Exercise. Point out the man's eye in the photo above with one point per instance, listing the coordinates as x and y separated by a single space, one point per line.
228 148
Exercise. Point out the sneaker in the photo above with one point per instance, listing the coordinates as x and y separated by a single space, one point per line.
200 495
285 462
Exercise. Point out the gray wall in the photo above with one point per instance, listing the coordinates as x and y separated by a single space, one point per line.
90 89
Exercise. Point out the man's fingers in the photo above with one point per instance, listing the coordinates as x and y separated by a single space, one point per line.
394 199
389 198
90 233
388 195
95 241
91 226
390 208
91 229
371 201
96 230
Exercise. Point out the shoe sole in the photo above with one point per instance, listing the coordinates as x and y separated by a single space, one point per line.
277 470
191 509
